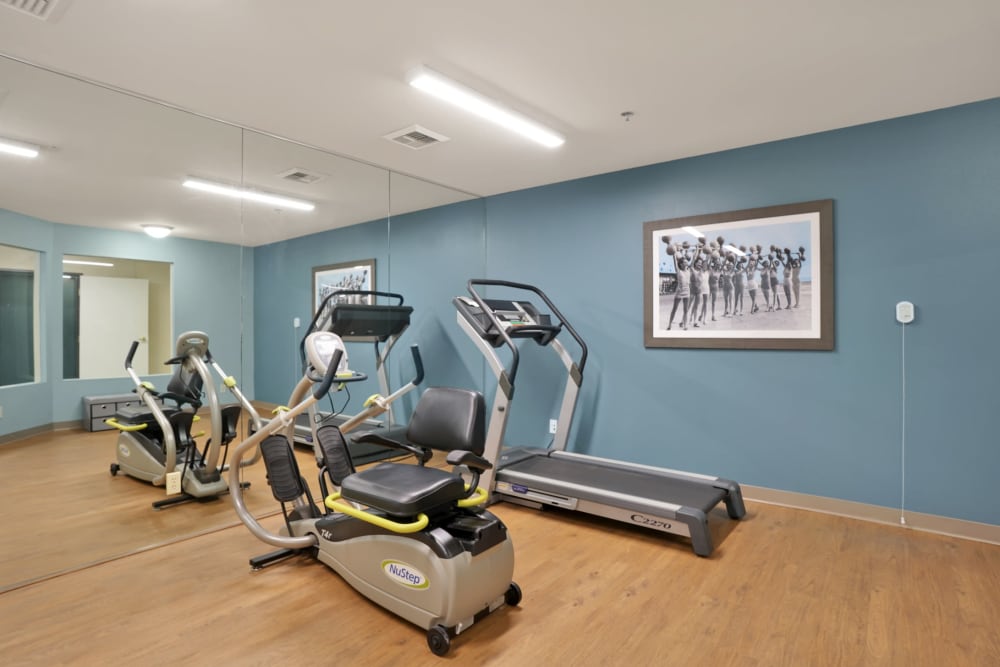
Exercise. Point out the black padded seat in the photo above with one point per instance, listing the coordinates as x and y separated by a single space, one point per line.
141 414
403 490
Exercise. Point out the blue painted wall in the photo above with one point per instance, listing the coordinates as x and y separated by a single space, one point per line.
916 204
915 217
207 295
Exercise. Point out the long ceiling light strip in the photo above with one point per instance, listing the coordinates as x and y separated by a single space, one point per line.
18 148
86 263
250 195
465 98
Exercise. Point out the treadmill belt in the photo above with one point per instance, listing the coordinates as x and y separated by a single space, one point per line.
597 478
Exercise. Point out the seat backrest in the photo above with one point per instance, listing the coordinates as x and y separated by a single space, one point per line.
448 418
185 386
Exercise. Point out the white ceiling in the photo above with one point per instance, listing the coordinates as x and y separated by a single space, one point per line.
699 76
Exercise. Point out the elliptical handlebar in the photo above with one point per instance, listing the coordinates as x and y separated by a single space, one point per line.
148 396
515 356
131 354
331 370
418 363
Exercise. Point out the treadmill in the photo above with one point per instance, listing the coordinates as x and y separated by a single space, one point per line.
670 501
356 316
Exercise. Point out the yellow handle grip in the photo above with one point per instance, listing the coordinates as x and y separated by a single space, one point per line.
124 427
333 502
476 499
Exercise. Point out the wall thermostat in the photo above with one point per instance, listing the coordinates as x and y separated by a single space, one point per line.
904 312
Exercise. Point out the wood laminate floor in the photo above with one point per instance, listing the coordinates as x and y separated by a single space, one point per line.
784 587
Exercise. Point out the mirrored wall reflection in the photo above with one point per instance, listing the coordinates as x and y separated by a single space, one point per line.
108 302
108 163
20 356
341 221
239 270
333 191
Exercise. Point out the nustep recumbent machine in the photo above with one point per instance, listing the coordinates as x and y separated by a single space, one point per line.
670 501
410 538
156 440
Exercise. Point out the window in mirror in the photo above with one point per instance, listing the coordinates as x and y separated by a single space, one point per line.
19 330
108 302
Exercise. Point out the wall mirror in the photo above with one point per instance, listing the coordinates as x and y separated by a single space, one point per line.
239 270
108 164
108 302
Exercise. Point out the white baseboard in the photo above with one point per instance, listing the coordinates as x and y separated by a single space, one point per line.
930 523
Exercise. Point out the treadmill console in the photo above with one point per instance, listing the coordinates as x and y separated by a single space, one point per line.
364 322
520 319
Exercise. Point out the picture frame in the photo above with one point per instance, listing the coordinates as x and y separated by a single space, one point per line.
356 275
704 279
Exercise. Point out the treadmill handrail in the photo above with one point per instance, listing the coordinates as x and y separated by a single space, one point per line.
515 356
548 302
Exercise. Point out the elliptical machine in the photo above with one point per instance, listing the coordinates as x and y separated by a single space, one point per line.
422 549
356 316
156 440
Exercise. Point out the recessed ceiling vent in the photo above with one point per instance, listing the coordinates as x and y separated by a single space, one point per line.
302 176
40 9
416 137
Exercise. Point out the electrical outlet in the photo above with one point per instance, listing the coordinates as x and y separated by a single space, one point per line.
173 483
553 426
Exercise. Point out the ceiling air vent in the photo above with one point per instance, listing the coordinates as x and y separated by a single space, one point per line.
416 137
302 176
40 9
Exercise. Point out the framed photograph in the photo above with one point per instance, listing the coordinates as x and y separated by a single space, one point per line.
359 275
755 279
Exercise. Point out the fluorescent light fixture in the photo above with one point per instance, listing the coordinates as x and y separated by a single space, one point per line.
251 195
433 83
693 232
18 148
86 263
158 231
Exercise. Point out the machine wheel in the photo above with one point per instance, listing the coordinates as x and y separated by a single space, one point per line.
438 640
114 469
513 595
